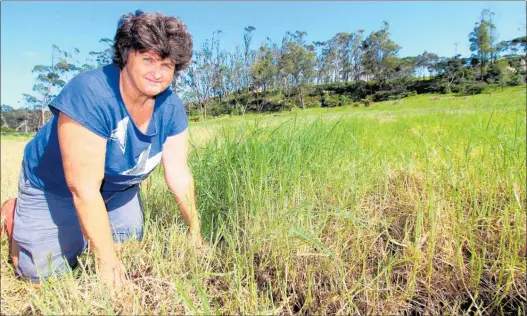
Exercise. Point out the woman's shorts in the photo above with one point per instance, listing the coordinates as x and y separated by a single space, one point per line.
47 230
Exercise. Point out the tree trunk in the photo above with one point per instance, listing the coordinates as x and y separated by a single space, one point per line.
265 93
481 68
42 116
258 104
24 123
5 122
301 97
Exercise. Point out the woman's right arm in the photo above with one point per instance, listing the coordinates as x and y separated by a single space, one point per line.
83 156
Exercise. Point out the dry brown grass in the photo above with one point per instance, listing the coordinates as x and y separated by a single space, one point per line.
424 213
11 153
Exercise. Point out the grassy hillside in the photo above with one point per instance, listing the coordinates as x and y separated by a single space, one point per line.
415 205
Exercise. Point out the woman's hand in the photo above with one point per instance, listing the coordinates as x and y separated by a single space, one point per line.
195 238
181 183
112 274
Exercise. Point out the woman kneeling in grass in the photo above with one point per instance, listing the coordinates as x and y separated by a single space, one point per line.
110 127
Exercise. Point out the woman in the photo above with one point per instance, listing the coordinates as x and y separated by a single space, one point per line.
111 126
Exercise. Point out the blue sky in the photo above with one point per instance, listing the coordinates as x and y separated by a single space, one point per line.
28 29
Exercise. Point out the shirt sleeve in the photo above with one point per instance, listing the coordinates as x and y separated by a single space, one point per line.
179 120
81 100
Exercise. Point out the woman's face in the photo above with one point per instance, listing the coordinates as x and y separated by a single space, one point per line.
148 73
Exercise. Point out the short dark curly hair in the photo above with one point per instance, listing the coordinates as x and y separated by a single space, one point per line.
165 35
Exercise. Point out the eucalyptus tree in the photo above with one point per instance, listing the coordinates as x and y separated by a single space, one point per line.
379 54
105 56
297 61
50 79
483 41
248 55
263 70
426 61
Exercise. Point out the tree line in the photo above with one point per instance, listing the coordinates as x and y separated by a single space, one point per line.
349 68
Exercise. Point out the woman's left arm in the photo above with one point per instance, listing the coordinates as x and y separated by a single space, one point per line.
180 181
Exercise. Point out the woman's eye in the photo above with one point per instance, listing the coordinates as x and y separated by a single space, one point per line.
147 59
167 66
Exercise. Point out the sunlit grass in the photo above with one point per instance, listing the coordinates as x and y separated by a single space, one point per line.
414 206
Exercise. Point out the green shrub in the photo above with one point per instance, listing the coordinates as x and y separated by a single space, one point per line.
387 95
312 101
344 100
6 130
444 89
313 104
367 101
411 93
516 80
194 118
236 110
329 100
477 88
457 89
288 105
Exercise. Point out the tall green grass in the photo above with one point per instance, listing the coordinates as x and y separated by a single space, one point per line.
394 209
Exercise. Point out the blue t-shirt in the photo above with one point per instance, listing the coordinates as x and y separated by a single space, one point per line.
93 99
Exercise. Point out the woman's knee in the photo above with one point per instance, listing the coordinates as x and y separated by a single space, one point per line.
39 266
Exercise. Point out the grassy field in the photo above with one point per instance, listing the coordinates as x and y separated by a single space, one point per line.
414 206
